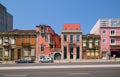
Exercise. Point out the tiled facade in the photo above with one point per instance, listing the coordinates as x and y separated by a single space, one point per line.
91 46
47 42
71 41
17 44
109 31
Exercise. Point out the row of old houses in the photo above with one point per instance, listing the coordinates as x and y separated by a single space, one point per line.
103 42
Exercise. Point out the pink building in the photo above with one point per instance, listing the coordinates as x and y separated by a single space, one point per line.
47 42
71 41
109 31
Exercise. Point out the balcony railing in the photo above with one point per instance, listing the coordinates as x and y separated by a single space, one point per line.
25 44
72 42
5 44
52 43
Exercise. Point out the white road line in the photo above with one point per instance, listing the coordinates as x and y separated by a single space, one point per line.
15 75
62 66
78 73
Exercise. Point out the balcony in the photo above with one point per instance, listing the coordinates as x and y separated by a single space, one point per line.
5 44
52 43
114 36
25 44
72 43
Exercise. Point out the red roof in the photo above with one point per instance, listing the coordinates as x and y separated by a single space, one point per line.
71 26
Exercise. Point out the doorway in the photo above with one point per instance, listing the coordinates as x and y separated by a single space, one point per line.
19 53
71 52
12 54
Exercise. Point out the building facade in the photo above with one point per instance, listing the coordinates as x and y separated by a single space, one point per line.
71 41
109 31
6 20
17 44
91 46
48 42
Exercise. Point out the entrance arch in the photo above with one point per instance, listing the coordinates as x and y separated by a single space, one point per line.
57 56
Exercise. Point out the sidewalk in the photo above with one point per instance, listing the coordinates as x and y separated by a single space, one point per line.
71 61
90 60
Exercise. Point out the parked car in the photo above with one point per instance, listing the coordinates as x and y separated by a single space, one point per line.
25 60
46 60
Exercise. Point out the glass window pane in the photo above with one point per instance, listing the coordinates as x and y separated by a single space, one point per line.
71 38
78 37
12 41
33 52
25 51
0 40
65 37
46 38
1 52
6 53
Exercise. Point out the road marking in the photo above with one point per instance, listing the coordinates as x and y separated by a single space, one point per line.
78 73
62 66
15 75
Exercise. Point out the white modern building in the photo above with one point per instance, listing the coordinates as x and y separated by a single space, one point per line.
109 31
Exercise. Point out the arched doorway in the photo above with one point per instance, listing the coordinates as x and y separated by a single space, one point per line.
57 56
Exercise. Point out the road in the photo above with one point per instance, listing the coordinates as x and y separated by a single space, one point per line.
70 72
103 69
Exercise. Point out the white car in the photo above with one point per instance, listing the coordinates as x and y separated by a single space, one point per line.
46 60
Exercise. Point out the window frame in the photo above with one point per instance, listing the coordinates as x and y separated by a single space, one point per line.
114 41
103 31
112 33
65 38
105 40
77 38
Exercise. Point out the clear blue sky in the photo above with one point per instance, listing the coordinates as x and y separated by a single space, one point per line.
29 13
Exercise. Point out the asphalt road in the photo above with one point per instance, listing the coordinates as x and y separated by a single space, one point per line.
63 72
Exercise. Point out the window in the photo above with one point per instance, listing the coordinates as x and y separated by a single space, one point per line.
71 28
46 38
77 28
71 38
113 41
84 43
1 52
65 28
12 41
6 53
6 39
90 45
42 48
104 31
25 51
104 40
32 52
96 42
78 38
112 32
0 40
65 37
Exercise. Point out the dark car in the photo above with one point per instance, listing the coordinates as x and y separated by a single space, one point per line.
25 60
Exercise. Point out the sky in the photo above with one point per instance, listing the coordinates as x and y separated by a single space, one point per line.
29 13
